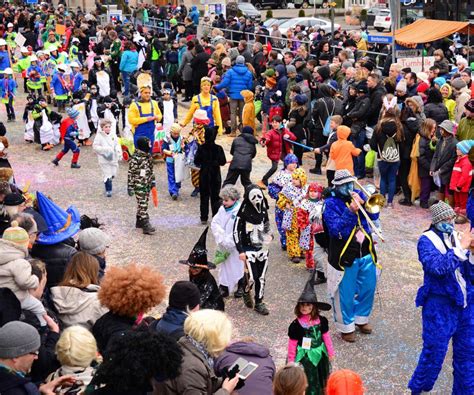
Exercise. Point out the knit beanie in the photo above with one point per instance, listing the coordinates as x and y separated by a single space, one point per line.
401 86
440 81
465 146
441 211
72 113
143 144
184 295
93 241
458 83
247 130
240 60
17 339
16 235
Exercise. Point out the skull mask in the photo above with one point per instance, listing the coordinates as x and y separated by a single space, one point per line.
256 198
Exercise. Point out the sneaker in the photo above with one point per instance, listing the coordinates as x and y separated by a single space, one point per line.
75 166
108 193
321 279
295 259
248 300
203 222
174 197
405 202
239 293
261 185
55 162
195 192
390 205
261 308
424 205
364 328
348 337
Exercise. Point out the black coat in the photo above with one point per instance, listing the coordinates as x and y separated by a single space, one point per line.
211 297
376 100
444 158
209 157
56 257
410 128
436 111
324 107
199 66
425 157
243 150
109 326
11 384
358 114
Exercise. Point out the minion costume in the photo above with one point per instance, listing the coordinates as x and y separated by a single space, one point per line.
138 114
352 258
282 178
292 195
446 297
207 102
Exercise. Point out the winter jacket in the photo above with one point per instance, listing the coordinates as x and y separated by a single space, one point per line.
196 376
322 109
376 96
258 62
171 323
277 148
377 142
109 326
465 131
210 296
13 384
185 69
210 156
425 157
243 150
140 172
107 148
248 112
359 114
260 381
199 66
76 306
56 257
15 270
436 111
237 79
343 150
410 128
282 79
129 61
444 158
443 66
461 176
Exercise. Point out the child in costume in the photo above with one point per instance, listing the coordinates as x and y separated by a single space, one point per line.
310 222
109 152
172 146
28 119
251 236
309 341
35 75
60 87
83 118
42 127
200 275
277 107
343 151
109 110
169 108
282 178
289 199
4 144
92 104
22 65
446 299
69 132
209 158
75 78
231 268
141 180
248 112
126 136
8 88
461 176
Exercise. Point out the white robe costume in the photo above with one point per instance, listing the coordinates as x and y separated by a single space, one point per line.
222 227
82 121
103 82
29 133
108 151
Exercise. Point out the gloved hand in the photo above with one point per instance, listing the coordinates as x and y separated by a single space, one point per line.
153 184
130 192
366 147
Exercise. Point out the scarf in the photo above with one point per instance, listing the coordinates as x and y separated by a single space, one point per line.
202 349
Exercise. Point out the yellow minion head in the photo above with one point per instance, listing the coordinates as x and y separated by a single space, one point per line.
300 174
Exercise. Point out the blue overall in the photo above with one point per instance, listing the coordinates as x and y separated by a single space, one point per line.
146 129
208 109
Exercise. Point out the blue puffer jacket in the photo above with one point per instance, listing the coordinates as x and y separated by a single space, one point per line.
440 271
282 80
237 79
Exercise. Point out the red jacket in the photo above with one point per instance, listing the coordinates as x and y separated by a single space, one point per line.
462 174
273 140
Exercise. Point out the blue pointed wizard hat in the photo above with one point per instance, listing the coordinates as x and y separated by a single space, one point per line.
61 224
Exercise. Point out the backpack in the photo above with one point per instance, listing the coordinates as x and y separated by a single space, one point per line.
327 125
390 150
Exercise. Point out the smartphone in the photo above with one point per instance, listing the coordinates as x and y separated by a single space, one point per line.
241 362
247 370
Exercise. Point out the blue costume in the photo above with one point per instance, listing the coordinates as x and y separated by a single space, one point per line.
352 262
146 129
170 144
275 187
470 207
4 60
76 81
446 298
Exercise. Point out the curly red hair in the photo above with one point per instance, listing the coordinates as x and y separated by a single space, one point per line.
131 290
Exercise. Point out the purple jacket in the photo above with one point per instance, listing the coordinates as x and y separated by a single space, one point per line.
260 381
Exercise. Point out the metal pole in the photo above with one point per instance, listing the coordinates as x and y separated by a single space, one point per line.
394 4
331 13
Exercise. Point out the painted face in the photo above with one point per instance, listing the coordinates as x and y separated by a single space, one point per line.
346 189
445 226
227 203
256 198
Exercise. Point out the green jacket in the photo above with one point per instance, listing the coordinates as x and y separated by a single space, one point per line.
466 132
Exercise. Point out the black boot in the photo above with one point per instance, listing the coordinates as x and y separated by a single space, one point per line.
147 228
240 289
316 170
248 300
224 291
321 278
139 223
261 308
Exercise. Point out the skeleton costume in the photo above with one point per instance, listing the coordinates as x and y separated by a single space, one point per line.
251 236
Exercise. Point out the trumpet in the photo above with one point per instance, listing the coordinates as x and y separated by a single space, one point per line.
373 204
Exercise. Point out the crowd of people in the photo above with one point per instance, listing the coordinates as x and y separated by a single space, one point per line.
71 324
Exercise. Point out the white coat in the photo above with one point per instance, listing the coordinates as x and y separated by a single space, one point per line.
108 151
222 227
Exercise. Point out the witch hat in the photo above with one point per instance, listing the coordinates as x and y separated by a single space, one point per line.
61 224
309 296
198 256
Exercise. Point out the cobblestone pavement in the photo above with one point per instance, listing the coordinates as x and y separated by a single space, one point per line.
385 359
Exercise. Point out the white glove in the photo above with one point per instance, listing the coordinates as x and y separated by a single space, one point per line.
366 147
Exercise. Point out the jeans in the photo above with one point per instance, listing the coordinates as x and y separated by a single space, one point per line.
10 109
425 189
388 178
359 161
126 83
156 75
235 105
233 175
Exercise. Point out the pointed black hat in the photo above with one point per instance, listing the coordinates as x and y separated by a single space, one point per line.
198 256
309 296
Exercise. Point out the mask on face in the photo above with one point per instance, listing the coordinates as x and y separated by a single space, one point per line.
256 198
445 227
346 189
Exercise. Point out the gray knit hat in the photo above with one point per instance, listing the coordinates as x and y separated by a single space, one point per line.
93 241
17 339
343 177
290 69
441 211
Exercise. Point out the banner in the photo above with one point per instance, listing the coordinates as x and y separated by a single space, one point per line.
417 64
